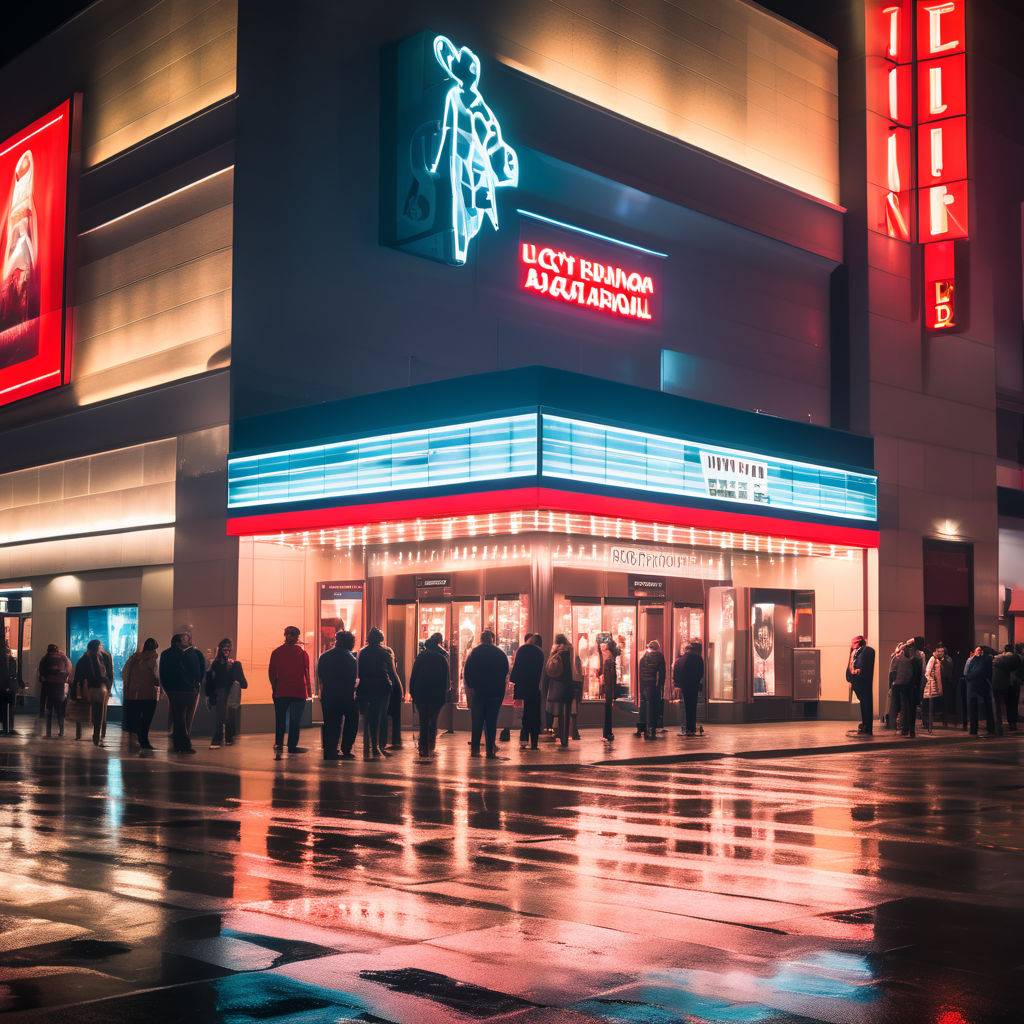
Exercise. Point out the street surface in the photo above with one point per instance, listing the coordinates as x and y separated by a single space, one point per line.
872 885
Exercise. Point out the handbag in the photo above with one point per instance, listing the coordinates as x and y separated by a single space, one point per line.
78 710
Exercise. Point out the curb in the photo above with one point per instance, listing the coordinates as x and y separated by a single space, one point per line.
853 746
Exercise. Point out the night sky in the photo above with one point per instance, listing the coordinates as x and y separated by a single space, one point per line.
25 24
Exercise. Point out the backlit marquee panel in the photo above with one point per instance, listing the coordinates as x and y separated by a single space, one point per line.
614 457
34 341
548 447
463 453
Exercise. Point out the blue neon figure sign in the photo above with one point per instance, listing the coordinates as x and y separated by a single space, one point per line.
479 160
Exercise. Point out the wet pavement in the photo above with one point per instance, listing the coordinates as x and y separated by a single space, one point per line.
757 884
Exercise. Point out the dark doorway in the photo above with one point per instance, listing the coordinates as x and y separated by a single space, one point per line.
949 602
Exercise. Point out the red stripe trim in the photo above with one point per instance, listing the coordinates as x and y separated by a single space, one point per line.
526 499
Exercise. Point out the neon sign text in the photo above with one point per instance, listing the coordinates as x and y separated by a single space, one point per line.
579 281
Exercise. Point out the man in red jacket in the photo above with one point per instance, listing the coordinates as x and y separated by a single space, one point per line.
289 681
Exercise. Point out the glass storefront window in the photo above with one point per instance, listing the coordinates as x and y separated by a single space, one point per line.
466 626
688 626
509 618
721 644
586 626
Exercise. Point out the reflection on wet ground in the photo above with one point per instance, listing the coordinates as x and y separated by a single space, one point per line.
866 886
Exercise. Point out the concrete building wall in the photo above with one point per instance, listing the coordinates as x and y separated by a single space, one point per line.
722 75
746 285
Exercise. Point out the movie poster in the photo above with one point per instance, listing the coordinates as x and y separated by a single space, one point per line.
116 626
763 640
341 607
33 214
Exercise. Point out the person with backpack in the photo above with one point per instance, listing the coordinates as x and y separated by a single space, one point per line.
54 683
94 679
559 686
651 672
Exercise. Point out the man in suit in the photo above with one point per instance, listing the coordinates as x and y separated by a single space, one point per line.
860 674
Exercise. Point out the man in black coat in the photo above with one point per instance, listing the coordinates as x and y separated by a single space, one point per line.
651 671
336 674
428 687
687 676
860 674
527 669
486 673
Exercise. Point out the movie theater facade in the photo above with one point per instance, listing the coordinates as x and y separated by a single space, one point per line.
514 502
531 316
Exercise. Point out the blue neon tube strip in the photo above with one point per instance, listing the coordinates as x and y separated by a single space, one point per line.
565 225
462 453
615 457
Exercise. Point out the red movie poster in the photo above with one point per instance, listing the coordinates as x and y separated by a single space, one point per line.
33 216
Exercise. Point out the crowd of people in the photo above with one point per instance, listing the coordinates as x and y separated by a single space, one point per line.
921 680
355 688
364 688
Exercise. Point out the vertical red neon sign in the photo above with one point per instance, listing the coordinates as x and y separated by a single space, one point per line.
942 171
890 117
920 45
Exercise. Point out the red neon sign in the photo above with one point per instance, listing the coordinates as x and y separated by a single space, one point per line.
598 285
34 346
940 286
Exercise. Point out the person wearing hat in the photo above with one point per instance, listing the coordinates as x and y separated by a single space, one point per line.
860 674
290 684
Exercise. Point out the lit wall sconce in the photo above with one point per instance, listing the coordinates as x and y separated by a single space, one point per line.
948 528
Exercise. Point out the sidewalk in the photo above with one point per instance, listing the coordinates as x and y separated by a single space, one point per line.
768 740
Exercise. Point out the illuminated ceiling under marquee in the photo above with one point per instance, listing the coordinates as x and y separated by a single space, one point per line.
34 198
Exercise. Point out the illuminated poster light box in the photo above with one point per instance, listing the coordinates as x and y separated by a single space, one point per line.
34 193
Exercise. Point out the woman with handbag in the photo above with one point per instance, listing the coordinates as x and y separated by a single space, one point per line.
558 685
94 678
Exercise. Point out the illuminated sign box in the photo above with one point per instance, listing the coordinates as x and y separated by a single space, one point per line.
591 272
566 276
35 336
444 158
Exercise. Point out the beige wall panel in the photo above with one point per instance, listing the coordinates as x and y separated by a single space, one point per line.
116 490
722 75
159 307
173 59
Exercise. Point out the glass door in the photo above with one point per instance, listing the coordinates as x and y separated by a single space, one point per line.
465 631
400 635
620 621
